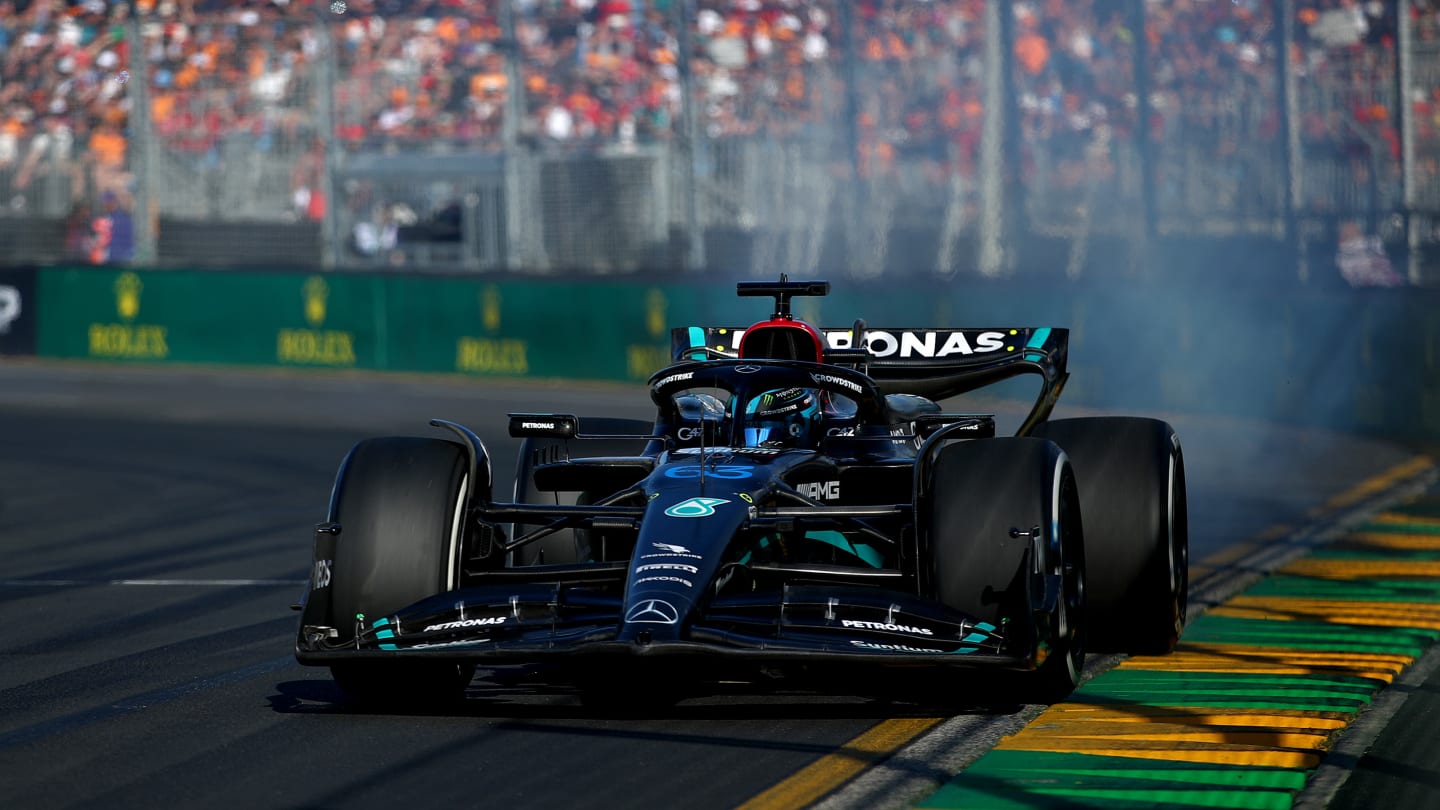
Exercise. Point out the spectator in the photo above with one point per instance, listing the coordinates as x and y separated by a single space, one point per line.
12 133
378 237
106 153
432 74
79 234
51 153
1362 259
113 241
306 183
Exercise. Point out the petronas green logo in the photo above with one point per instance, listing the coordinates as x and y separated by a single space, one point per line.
695 507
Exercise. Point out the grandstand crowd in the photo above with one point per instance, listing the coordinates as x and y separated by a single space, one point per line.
432 75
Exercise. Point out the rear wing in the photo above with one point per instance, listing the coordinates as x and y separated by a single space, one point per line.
933 363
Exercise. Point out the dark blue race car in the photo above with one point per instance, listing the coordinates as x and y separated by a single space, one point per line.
800 503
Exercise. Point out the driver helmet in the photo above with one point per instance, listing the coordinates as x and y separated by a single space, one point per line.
784 417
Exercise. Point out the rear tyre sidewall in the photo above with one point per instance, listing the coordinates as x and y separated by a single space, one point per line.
1131 475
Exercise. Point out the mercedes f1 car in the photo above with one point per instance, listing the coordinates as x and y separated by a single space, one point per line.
800 500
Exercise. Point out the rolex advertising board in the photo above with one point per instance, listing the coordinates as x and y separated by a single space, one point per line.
206 317
450 325
613 331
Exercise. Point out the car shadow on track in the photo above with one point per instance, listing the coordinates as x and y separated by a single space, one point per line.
521 700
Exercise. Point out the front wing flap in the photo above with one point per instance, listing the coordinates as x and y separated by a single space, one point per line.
531 624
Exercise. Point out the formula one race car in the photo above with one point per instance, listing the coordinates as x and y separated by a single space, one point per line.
800 502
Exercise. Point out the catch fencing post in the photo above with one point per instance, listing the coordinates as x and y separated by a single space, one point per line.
993 198
1405 44
330 236
145 208
690 139
1294 176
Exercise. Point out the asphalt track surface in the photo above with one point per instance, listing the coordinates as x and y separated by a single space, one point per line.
155 527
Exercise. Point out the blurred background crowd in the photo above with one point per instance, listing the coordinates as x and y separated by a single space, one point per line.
906 79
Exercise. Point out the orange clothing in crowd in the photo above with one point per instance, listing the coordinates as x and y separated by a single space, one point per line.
108 146
447 30
162 107
1033 52
795 85
482 83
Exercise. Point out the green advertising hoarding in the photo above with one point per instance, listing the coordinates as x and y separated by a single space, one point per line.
1349 359
372 321
207 317
531 328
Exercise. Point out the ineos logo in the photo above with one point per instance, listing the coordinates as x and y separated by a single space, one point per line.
9 308
320 578
729 471
653 611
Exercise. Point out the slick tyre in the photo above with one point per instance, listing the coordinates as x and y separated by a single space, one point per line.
399 502
986 500
567 545
1131 475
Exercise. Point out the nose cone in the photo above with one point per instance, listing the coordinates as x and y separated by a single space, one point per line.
682 542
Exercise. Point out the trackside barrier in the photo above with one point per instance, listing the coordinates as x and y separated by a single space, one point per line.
1366 360
357 321
17 310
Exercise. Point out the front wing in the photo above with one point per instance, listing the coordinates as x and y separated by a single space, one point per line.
516 624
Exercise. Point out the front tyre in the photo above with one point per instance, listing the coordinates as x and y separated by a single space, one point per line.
399 502
1003 523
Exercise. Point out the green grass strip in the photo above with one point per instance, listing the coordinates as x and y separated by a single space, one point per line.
1045 779
1357 553
1001 796
1152 678
1399 528
1425 507
1337 705
1289 693
1308 635
1381 590
1064 766
1220 691
1119 681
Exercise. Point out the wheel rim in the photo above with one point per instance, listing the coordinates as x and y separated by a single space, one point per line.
1067 623
457 528
1071 603
1179 541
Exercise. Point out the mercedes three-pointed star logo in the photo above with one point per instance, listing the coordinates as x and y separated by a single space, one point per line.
653 611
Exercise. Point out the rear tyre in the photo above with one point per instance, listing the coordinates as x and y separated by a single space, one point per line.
568 545
983 496
400 505
1131 474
